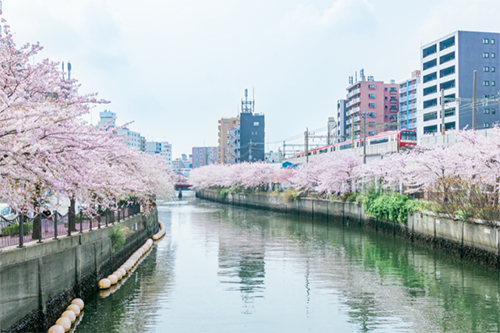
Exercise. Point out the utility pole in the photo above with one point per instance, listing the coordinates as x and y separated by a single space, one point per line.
364 136
474 101
442 111
306 144
352 131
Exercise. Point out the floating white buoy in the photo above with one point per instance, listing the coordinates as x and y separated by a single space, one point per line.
78 302
56 329
70 315
104 284
75 308
113 279
64 323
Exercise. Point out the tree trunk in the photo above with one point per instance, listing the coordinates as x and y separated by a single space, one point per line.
72 215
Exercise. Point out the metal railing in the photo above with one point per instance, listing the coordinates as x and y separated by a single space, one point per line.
22 229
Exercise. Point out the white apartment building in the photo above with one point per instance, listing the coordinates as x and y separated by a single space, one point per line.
410 94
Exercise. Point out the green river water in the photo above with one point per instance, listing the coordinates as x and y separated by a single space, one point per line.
230 269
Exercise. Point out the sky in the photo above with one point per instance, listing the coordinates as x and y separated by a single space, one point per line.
174 68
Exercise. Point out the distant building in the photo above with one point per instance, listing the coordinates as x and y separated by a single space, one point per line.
341 121
410 94
252 132
164 149
274 156
228 148
375 100
205 156
448 64
182 166
130 138
143 143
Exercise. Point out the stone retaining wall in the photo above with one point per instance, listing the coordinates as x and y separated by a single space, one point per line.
467 239
38 281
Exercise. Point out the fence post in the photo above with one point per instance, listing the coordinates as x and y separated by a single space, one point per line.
40 227
55 225
90 223
99 221
69 224
21 231
81 221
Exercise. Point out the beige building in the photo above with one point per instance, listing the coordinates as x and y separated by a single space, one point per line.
228 143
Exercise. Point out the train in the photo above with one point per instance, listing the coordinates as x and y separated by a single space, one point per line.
404 139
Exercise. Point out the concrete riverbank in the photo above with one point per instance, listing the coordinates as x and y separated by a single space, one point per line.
38 280
476 241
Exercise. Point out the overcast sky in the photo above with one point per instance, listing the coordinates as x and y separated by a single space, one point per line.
176 67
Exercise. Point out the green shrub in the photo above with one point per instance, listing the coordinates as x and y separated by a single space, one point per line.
290 194
224 192
392 207
13 229
349 196
117 238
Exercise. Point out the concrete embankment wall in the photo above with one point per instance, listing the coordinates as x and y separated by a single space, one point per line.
38 281
466 239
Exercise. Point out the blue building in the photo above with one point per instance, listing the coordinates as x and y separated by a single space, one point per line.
448 64
252 132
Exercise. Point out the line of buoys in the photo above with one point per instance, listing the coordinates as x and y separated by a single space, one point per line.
68 317
126 267
160 233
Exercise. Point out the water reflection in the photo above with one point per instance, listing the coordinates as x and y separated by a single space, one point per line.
229 269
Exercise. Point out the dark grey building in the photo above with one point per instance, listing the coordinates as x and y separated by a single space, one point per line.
252 132
448 63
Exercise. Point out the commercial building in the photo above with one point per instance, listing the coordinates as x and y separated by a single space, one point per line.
375 100
448 64
228 148
410 99
205 156
242 139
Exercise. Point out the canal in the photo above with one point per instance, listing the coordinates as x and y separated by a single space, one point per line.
230 269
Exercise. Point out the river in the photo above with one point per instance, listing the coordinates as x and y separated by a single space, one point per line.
230 269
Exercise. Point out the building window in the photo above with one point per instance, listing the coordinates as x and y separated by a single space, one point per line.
430 77
446 57
371 124
371 95
493 111
371 105
430 64
449 126
447 85
486 96
486 111
371 114
371 133
430 103
371 86
449 112
430 129
430 116
493 54
486 83
447 43
486 41
393 90
486 125
492 41
430 50
486 55
447 71
256 123
493 69
486 69
493 83
430 90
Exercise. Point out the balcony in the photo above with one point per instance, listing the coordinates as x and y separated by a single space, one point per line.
353 111
353 93
393 91
412 96
357 118
403 90
394 101
412 87
357 127
349 122
353 101
414 125
393 110
412 106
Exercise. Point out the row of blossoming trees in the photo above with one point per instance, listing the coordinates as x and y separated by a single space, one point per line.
460 179
47 149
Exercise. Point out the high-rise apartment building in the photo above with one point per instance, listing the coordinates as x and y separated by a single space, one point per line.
164 149
228 148
204 156
410 94
448 64
375 100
